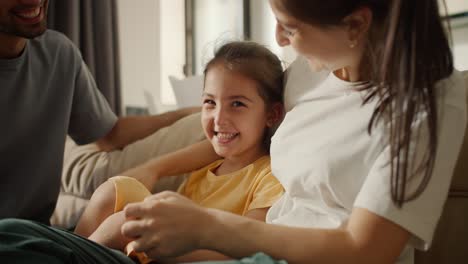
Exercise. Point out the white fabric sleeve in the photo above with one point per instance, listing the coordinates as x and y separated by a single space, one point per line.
419 216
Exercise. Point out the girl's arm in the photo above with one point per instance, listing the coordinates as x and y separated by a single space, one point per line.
366 238
108 233
101 206
181 161
102 202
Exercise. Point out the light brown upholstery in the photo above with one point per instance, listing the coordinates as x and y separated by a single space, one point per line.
450 244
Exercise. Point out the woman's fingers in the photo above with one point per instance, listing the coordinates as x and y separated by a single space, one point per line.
134 211
138 210
145 243
141 209
163 224
132 229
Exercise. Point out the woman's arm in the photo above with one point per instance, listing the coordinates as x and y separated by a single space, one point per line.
367 238
204 255
181 161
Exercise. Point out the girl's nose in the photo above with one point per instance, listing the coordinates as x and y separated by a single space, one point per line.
281 38
221 117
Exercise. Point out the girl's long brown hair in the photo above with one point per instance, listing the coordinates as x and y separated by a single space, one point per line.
406 54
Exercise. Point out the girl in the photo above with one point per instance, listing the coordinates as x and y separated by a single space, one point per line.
241 102
365 155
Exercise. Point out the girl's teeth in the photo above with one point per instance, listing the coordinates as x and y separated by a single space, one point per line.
226 135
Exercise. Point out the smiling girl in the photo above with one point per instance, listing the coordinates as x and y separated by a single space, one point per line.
241 103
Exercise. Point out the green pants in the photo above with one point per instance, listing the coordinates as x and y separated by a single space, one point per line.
23 241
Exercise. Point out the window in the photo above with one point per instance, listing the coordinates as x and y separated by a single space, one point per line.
214 22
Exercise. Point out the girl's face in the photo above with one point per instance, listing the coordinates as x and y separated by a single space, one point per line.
325 48
234 115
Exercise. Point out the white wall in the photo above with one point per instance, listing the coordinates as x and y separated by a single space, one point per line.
215 22
456 6
460 43
263 24
140 50
172 36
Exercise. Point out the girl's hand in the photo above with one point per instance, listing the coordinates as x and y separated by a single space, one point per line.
166 224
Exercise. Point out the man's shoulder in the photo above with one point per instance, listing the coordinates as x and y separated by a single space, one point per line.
56 41
53 37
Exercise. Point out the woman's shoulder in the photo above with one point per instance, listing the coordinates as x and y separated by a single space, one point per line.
299 79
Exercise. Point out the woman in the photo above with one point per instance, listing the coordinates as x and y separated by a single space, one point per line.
364 156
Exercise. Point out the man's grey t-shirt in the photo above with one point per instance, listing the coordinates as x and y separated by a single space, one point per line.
45 94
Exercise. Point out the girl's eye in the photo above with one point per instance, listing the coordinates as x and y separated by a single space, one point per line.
209 102
237 104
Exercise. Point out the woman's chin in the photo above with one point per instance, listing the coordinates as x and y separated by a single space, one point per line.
315 66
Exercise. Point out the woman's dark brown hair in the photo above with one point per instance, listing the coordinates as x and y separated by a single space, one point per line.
406 54
257 63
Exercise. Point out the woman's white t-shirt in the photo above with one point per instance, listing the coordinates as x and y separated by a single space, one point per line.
328 163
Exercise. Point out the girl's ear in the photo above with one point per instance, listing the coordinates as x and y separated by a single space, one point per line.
275 115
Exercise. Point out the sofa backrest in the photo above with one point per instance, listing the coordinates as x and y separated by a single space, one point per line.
450 244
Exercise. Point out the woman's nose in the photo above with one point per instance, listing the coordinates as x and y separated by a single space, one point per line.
281 39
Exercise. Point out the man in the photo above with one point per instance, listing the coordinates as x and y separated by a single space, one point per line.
47 92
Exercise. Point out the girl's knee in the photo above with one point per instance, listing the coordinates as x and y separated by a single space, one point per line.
104 197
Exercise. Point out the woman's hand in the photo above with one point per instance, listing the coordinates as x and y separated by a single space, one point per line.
166 224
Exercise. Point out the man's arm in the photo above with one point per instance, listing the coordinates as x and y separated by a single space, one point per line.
133 128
